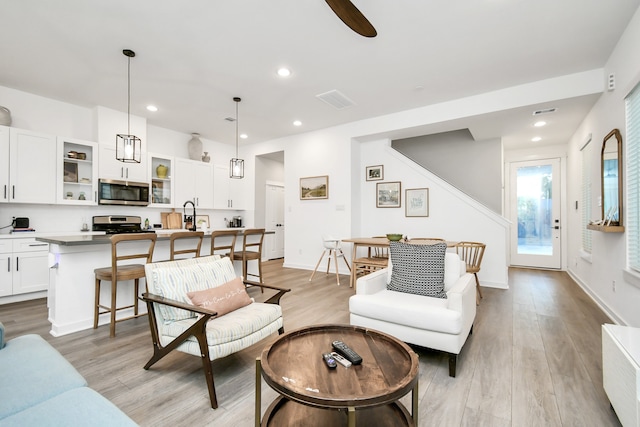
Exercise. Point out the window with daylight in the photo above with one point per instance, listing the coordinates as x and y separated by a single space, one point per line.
633 178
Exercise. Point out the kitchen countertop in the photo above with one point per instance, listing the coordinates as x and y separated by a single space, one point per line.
96 239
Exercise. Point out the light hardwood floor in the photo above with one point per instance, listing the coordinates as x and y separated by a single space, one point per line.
534 359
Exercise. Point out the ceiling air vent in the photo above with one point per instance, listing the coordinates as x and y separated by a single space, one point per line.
544 111
336 99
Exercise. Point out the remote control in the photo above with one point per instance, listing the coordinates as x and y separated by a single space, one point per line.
329 360
341 360
348 353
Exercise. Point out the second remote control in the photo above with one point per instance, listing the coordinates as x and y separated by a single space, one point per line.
347 352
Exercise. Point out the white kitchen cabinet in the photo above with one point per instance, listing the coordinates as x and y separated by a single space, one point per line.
24 266
162 183
228 193
29 171
111 168
193 181
77 182
621 371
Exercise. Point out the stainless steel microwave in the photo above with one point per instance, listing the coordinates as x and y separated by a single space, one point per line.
113 192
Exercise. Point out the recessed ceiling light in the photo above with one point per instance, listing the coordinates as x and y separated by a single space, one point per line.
284 72
244 136
297 123
152 108
536 139
540 123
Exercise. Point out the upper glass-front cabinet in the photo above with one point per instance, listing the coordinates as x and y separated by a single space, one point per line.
77 182
161 172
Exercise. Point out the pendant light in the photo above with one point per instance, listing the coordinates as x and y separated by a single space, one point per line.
128 147
236 167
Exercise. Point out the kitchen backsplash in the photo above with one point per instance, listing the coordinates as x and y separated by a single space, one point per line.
55 218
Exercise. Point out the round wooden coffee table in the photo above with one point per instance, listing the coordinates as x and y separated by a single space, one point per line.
314 395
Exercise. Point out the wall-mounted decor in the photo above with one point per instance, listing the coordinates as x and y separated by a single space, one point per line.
416 202
70 172
314 187
375 173
388 195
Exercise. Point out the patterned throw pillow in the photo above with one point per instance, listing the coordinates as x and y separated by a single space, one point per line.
418 269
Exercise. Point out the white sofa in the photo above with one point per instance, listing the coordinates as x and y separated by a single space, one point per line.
436 323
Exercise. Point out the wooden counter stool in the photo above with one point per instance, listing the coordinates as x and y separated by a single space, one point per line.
229 248
118 272
251 251
189 236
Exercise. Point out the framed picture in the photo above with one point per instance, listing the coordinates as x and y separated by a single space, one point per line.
416 202
375 173
314 187
70 172
388 195
202 221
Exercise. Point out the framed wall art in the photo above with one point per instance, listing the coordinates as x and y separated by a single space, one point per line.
388 195
70 172
314 187
416 202
375 173
202 221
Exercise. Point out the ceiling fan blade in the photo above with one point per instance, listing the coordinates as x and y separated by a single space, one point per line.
351 16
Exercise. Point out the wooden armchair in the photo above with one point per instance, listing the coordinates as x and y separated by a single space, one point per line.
177 324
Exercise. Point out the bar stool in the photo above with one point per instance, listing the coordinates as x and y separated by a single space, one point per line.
231 247
188 236
251 251
333 248
118 273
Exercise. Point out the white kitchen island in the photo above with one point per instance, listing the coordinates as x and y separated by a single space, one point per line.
72 261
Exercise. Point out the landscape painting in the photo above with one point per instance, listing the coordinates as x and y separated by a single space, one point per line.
314 187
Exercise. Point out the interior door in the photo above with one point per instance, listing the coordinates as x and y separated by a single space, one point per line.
274 221
535 212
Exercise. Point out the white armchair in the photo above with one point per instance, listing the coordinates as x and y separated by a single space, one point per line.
436 323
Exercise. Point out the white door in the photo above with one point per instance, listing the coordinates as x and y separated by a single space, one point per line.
535 213
274 212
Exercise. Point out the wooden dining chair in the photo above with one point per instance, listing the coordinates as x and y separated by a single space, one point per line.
124 247
193 237
377 258
251 251
471 253
228 238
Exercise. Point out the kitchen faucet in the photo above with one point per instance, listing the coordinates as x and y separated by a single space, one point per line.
193 218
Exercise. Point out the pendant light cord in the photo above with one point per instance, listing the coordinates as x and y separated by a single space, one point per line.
128 95
236 130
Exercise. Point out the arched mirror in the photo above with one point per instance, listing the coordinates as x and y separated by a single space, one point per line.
612 178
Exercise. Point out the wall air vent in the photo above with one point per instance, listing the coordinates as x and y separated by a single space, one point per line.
336 99
544 111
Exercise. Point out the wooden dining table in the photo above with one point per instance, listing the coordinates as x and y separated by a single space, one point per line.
383 242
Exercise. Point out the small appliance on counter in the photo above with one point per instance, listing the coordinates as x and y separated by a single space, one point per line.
21 224
236 222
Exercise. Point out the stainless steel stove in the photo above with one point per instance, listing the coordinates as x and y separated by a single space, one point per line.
117 224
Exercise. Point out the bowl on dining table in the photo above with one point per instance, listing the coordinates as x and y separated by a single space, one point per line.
394 237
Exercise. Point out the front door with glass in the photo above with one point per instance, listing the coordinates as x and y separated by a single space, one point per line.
535 212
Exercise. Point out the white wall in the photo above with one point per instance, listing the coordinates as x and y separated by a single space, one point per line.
608 262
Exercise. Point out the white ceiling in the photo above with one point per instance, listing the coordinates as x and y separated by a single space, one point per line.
194 56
